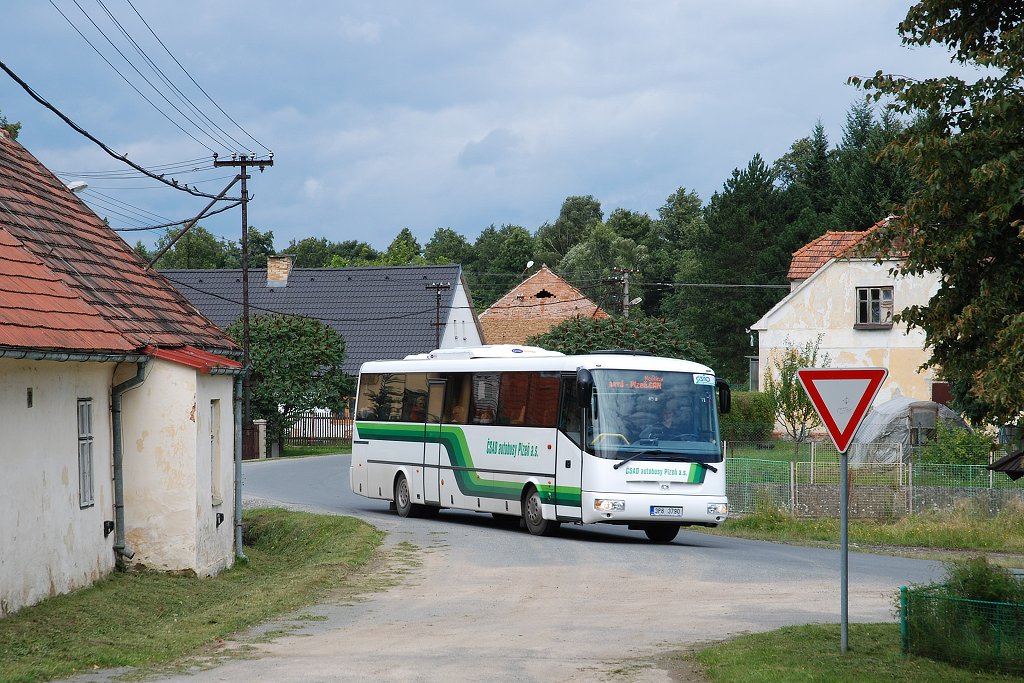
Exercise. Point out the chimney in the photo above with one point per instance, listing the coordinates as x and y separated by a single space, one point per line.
278 268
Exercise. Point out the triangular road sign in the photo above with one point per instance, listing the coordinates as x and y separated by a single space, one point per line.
842 397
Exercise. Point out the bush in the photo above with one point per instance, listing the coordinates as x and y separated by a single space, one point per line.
977 579
752 417
955 446
974 618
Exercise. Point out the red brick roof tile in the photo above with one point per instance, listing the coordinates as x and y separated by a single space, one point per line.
67 281
542 301
833 244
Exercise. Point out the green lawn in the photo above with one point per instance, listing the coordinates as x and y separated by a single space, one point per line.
143 618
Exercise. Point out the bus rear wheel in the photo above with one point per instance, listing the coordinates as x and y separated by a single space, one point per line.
533 515
662 533
403 498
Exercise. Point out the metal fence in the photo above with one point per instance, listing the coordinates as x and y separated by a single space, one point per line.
319 428
974 633
810 488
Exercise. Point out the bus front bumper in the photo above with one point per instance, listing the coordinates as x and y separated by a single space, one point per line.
629 508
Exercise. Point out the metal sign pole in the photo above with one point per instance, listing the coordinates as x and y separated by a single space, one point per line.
842 397
844 552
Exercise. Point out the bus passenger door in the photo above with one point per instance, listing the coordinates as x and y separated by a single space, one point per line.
568 456
432 448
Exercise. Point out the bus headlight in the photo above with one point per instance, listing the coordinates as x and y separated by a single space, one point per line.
718 509
609 505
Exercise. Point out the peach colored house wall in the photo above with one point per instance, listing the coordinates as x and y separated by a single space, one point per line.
826 304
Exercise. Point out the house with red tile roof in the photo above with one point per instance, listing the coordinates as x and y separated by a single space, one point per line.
540 302
850 298
117 403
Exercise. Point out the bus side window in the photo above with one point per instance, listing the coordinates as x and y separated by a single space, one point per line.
456 398
569 415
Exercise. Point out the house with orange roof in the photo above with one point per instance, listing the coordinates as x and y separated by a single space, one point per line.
118 403
540 302
850 298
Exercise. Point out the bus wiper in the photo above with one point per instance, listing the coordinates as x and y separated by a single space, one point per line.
637 455
634 456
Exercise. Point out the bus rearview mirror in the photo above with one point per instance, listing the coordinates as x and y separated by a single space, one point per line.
584 387
724 395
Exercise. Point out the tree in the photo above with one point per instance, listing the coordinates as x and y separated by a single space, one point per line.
198 248
600 257
319 252
868 186
793 408
965 215
447 246
260 245
499 258
404 250
296 366
12 128
671 246
575 219
739 247
658 336
353 253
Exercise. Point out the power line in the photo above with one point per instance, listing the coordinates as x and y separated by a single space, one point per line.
126 80
123 157
201 89
167 81
182 222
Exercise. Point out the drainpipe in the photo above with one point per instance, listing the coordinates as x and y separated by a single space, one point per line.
115 408
239 553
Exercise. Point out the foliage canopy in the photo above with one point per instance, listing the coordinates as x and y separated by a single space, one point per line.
965 216
296 365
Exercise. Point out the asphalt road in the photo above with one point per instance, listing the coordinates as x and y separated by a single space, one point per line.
592 604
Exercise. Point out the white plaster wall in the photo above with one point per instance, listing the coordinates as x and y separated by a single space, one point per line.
169 509
826 304
49 544
460 328
159 431
214 545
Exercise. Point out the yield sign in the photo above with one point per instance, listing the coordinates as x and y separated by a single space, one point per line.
842 397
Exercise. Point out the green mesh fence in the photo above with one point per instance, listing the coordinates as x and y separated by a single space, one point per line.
972 633
878 490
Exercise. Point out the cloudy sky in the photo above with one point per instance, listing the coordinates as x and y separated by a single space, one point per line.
449 113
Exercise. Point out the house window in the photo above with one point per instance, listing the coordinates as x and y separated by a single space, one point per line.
215 471
874 308
85 482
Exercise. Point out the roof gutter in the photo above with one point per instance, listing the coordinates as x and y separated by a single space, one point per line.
74 356
116 392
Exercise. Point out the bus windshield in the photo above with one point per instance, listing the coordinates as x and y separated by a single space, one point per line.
641 414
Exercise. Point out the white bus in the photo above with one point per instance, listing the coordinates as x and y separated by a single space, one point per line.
616 437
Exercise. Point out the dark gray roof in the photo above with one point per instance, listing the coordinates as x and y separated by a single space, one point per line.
382 312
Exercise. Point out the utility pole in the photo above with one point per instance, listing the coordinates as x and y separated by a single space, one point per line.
625 290
438 287
243 162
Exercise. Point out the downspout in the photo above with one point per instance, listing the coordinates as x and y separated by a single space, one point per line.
115 408
239 553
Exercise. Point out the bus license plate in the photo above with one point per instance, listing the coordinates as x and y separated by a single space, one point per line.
659 511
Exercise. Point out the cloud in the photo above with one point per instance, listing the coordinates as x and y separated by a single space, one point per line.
492 150
312 188
361 31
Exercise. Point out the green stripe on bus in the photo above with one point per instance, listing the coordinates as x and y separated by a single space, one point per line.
470 483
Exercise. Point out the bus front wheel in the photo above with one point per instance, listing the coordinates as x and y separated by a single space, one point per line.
662 533
534 516
403 498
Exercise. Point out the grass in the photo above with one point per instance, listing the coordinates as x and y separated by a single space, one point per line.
144 618
808 654
964 528
299 451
